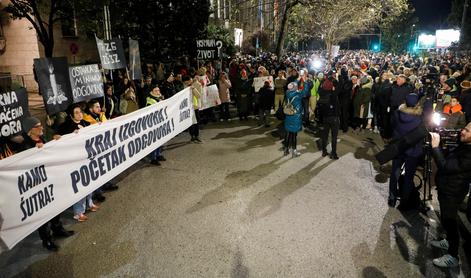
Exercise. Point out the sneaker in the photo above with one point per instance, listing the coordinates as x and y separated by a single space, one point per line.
442 244
197 139
446 261
295 153
285 151
324 153
81 217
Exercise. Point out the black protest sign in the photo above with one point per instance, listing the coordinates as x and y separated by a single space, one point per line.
86 82
208 49
111 53
14 107
135 60
54 83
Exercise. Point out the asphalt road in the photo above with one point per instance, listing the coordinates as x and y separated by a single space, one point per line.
234 206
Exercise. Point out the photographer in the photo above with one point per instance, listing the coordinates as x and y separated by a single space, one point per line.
452 179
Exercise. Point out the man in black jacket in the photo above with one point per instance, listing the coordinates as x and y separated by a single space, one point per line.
34 137
400 89
330 112
452 179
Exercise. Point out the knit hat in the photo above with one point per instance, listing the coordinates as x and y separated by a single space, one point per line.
320 75
292 86
450 82
29 123
466 84
412 100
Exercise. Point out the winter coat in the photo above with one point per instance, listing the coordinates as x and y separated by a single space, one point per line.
404 121
94 118
398 95
168 89
454 171
383 96
293 123
70 126
266 98
331 108
465 101
128 102
454 117
280 84
224 94
363 97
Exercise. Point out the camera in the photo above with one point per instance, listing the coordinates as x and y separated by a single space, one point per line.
448 137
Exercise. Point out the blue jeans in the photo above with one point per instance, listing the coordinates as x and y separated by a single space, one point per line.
410 165
80 206
154 155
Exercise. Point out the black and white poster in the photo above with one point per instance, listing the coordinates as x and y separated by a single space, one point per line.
135 60
111 53
14 107
54 83
208 49
86 82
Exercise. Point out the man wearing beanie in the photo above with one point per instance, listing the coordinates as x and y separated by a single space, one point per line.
406 118
34 137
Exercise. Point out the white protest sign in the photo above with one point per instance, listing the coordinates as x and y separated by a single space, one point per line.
210 97
258 82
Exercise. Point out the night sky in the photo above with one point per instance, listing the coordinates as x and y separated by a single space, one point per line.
432 14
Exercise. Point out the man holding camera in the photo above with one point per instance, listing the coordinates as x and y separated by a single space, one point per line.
452 180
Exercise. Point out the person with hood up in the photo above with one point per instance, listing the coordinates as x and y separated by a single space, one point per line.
406 118
361 103
294 122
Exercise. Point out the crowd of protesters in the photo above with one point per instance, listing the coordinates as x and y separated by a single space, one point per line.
359 90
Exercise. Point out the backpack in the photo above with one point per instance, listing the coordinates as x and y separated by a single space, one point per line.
288 107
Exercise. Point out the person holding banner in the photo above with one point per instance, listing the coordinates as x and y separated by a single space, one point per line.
154 97
196 90
96 116
33 134
74 123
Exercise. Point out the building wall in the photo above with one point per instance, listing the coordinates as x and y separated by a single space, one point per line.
22 47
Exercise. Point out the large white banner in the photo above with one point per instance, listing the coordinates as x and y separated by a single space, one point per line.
38 184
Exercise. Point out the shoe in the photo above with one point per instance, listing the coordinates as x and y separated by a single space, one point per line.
441 244
325 153
295 153
50 245
197 139
286 151
446 261
99 197
62 233
161 158
155 162
110 187
392 202
93 208
81 217
333 156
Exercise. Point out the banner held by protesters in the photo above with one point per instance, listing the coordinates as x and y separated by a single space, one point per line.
86 82
14 107
54 83
38 184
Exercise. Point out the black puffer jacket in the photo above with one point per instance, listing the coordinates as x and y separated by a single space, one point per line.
454 171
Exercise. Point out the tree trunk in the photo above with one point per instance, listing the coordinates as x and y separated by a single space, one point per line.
284 20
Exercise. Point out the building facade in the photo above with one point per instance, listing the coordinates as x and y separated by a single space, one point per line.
21 46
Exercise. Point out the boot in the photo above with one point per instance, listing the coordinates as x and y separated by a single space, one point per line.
50 245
